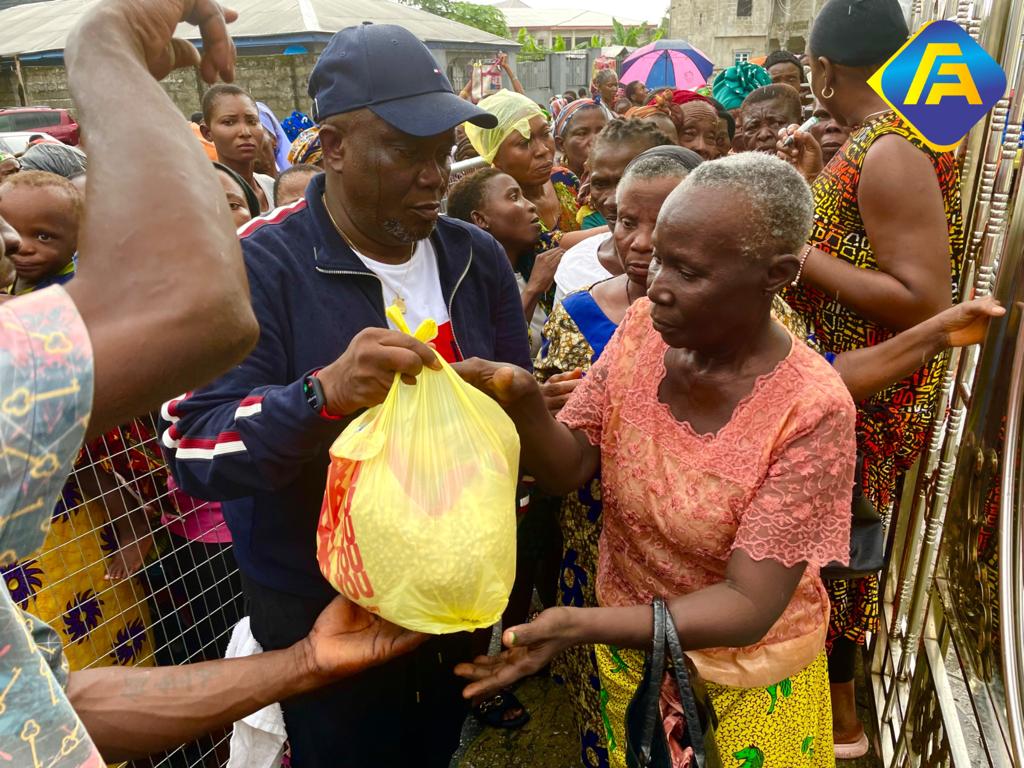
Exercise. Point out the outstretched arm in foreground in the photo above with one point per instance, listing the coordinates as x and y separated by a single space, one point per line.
161 286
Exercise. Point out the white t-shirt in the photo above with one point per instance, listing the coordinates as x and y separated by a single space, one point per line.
418 282
580 267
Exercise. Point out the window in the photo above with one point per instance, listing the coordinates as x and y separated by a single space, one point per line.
744 7
27 121
739 57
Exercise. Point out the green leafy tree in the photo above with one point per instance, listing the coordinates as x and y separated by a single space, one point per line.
623 35
558 44
484 17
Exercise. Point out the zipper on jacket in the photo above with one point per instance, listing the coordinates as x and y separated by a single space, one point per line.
451 300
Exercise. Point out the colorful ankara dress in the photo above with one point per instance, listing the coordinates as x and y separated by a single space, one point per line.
892 425
574 337
775 481
100 622
567 187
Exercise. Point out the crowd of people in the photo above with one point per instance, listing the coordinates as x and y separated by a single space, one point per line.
707 326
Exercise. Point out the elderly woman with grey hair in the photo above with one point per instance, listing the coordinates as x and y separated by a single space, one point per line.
726 447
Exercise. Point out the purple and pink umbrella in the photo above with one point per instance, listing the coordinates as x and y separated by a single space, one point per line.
667 64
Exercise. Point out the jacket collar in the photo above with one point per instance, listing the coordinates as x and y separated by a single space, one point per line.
332 254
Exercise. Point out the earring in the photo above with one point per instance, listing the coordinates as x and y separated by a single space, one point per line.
830 94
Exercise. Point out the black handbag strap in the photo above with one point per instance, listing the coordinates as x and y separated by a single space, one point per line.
652 708
693 726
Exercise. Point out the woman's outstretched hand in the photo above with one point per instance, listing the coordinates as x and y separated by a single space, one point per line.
508 384
965 324
530 647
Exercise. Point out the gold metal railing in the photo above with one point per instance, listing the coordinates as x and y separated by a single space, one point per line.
953 597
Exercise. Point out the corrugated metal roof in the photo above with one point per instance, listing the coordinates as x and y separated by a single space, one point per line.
45 26
567 18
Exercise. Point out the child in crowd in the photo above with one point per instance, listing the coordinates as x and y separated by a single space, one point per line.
45 210
231 121
291 184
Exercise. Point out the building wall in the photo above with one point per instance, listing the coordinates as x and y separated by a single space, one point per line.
278 81
713 27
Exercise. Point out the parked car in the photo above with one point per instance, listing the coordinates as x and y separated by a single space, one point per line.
59 123
18 142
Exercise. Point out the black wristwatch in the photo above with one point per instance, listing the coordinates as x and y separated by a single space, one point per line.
313 389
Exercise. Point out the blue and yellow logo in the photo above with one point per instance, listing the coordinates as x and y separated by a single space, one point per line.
941 82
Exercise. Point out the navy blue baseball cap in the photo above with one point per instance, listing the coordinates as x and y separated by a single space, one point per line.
386 69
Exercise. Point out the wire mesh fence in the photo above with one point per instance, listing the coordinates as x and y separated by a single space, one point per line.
135 572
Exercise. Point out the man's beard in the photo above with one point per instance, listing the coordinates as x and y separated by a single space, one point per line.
403 234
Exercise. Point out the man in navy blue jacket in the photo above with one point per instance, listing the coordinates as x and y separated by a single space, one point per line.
368 234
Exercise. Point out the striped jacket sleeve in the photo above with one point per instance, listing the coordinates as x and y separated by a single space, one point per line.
251 430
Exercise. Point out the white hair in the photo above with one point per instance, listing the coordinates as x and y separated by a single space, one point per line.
779 206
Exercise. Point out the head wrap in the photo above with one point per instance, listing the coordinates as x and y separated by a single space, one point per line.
514 112
733 85
55 158
858 33
296 123
269 121
251 201
558 103
678 96
641 112
563 117
687 158
306 148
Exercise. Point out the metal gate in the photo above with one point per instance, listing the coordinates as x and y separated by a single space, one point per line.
947 663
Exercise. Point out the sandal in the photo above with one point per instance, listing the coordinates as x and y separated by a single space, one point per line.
852 750
492 711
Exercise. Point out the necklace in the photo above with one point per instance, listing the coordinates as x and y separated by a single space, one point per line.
629 299
399 298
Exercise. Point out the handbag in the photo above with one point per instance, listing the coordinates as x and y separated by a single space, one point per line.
646 741
867 539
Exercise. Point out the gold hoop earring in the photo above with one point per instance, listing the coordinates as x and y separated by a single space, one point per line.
830 94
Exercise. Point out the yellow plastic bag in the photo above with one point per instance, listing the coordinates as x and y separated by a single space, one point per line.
418 522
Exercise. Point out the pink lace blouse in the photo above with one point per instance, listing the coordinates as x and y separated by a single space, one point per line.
775 481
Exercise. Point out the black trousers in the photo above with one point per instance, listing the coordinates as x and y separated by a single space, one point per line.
407 712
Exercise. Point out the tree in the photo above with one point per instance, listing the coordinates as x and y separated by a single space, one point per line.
484 17
623 35
558 44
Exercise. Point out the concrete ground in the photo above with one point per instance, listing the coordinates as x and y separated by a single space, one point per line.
549 739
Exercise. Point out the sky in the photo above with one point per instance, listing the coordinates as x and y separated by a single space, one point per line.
648 10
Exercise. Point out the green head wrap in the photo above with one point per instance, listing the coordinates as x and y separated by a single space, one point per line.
734 84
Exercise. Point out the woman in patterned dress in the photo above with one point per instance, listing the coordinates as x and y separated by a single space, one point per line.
885 253
574 338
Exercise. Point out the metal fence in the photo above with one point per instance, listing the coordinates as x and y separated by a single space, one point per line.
132 572
948 664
